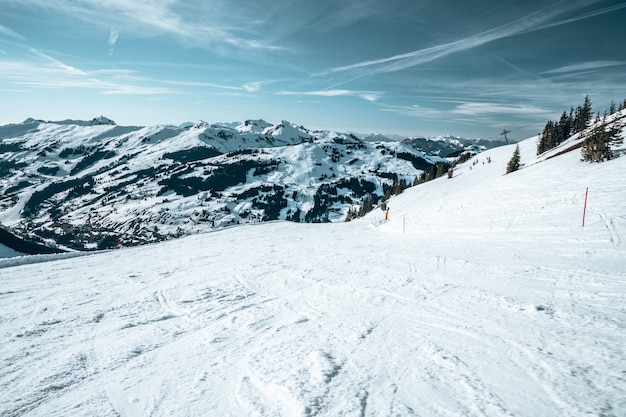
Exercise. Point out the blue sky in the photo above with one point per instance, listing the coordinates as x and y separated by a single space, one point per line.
469 68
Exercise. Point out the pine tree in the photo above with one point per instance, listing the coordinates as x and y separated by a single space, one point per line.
351 214
546 140
514 163
584 114
440 169
597 145
612 107
367 206
565 127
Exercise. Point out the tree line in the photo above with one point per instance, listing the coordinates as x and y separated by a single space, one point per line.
597 144
554 133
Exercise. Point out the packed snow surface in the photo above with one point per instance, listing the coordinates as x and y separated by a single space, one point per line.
482 295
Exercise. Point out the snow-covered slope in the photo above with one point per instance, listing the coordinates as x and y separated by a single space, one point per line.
82 185
481 295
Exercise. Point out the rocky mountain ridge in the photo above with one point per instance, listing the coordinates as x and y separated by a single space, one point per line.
90 184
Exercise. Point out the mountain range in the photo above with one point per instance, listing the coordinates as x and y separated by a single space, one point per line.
84 185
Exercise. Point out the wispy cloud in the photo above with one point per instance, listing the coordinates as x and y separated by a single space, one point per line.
201 84
475 109
121 89
113 36
416 111
105 87
57 64
585 66
45 71
365 95
249 87
193 24
9 32
254 86
488 115
584 16
536 21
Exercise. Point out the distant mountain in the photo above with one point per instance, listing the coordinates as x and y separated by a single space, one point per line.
85 184
451 146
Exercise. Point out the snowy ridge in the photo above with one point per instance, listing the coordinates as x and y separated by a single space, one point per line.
447 145
83 185
481 295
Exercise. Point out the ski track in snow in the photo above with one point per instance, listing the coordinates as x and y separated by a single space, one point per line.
510 309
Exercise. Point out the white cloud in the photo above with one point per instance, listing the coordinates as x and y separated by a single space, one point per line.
365 95
202 85
476 109
191 23
416 111
113 36
48 72
585 66
56 64
121 89
9 32
539 20
593 13
252 87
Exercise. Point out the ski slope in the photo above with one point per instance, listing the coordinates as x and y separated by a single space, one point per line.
482 295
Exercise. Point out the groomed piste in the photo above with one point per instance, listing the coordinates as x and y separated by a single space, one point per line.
481 295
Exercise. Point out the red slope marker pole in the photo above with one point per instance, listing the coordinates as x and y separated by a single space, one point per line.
585 208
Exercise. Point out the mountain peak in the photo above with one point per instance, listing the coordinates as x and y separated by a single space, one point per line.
101 120
287 129
253 126
201 124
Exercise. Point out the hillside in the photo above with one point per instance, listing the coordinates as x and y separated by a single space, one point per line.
83 185
481 295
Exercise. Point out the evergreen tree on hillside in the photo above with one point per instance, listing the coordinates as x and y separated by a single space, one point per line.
566 126
597 145
367 206
514 163
556 133
441 167
584 114
546 140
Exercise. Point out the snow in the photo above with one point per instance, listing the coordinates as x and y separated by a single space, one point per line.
482 295
290 163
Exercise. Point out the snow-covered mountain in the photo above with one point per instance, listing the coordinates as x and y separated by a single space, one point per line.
84 184
451 146
480 295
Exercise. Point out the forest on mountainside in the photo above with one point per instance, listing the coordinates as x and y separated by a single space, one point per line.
598 142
